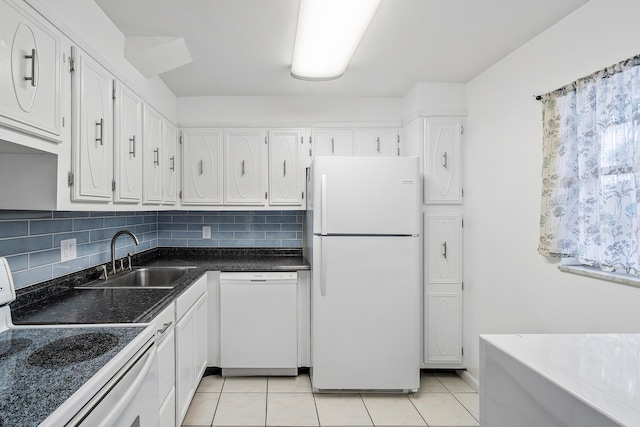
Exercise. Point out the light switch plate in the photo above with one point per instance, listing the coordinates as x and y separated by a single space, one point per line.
7 290
67 250
206 232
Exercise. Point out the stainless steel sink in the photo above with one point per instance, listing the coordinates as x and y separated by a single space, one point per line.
141 277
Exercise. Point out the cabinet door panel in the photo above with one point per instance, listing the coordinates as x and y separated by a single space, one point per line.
444 329
152 161
376 142
30 74
202 167
443 173
243 151
93 124
170 167
284 170
443 247
185 364
332 142
128 146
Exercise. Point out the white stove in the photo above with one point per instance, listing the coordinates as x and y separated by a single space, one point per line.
53 375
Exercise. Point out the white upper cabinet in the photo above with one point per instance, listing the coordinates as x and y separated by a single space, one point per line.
128 146
442 160
170 167
332 142
284 171
30 62
244 154
377 142
202 166
152 160
92 130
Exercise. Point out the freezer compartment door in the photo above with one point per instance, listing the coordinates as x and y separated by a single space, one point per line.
365 313
366 195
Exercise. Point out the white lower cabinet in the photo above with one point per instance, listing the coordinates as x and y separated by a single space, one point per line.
443 290
191 344
165 345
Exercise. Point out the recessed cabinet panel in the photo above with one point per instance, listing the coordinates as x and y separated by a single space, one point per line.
442 166
332 142
202 167
443 247
128 146
170 167
284 170
376 142
92 130
152 160
244 155
444 329
30 83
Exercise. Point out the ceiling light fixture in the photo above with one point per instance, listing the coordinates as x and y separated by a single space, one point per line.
328 34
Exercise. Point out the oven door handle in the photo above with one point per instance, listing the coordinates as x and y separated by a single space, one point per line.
80 419
135 386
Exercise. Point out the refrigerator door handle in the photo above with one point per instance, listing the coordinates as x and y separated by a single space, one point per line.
323 205
323 268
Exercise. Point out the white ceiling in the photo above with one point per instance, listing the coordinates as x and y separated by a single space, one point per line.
244 47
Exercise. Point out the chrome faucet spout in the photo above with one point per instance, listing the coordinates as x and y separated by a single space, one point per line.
113 247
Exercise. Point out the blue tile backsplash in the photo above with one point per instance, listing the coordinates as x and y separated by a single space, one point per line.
30 240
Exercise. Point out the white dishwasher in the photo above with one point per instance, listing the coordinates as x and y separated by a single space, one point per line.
258 323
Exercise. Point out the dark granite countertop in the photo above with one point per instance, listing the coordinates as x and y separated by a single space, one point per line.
58 302
31 388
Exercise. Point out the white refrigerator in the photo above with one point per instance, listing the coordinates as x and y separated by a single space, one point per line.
362 239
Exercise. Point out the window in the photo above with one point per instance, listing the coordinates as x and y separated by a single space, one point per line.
591 170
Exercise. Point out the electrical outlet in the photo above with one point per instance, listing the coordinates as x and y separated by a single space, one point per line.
67 250
206 232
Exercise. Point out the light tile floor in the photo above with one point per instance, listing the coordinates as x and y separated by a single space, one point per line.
443 400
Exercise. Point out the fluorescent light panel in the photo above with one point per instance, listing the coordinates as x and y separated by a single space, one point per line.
328 34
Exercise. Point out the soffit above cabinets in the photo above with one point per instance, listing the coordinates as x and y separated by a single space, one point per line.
245 47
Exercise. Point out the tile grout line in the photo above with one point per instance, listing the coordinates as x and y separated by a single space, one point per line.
418 411
366 409
218 401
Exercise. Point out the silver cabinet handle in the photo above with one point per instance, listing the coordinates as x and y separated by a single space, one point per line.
156 156
332 147
173 163
100 123
201 167
284 168
165 326
444 250
444 160
242 164
132 140
378 141
32 57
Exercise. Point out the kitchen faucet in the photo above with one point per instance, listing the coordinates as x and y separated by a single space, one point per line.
113 247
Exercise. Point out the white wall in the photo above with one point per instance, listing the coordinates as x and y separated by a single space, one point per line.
509 288
292 111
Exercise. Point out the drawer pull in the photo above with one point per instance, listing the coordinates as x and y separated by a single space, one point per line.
165 327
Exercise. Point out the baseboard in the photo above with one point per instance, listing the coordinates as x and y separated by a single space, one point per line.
467 378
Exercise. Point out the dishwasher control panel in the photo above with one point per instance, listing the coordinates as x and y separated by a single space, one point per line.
270 277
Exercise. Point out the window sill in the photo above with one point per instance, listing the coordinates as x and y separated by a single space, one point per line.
596 273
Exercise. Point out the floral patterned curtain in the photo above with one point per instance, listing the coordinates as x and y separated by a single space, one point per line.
591 169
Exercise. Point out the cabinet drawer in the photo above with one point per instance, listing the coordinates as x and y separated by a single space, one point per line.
190 296
164 322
